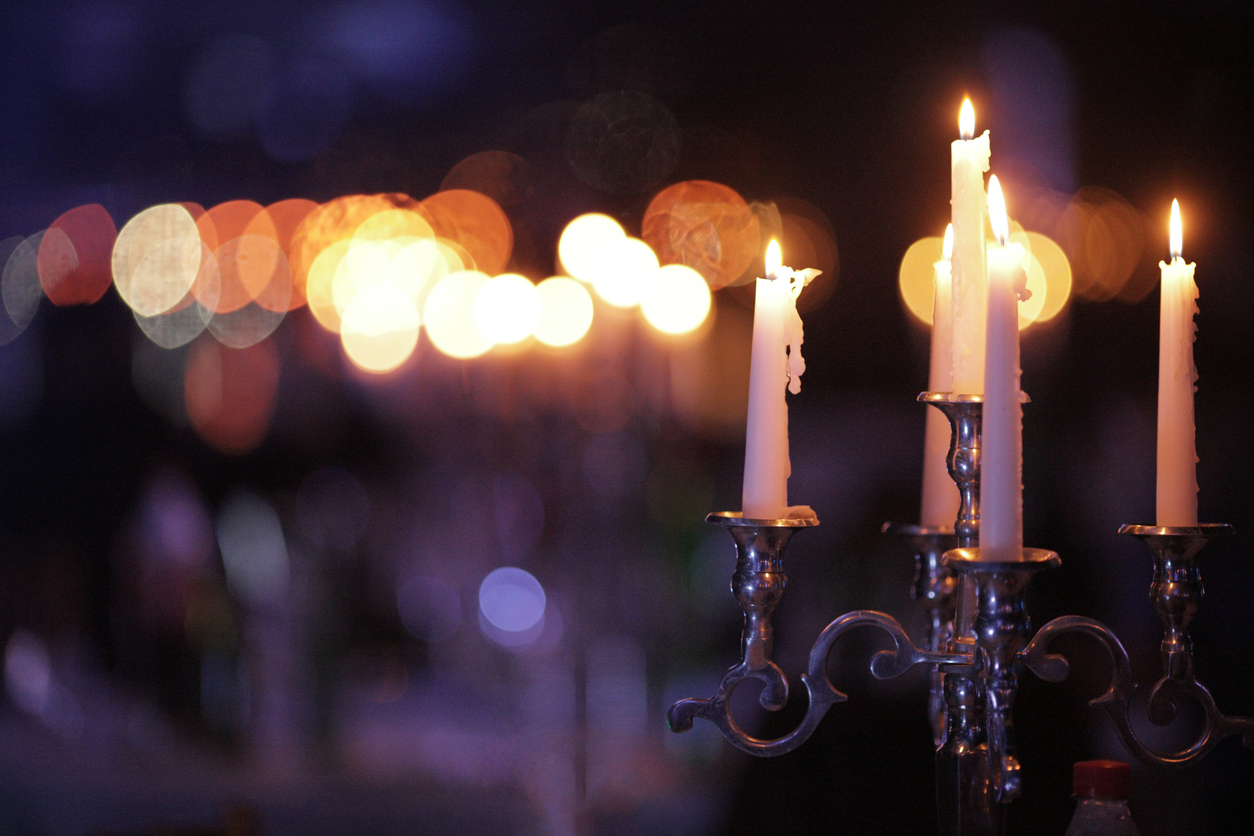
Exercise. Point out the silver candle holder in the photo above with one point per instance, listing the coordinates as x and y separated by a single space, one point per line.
977 641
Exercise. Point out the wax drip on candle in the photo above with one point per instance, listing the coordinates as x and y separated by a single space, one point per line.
797 280
796 363
947 249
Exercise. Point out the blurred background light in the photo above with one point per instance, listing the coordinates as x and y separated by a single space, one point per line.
229 393
20 289
27 672
406 51
565 311
623 142
380 328
187 319
512 602
507 308
706 226
156 258
418 266
1049 277
474 222
254 552
625 272
74 256
679 301
503 176
449 315
582 239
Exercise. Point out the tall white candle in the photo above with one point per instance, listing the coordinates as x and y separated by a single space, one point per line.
1177 451
940 495
775 366
1001 465
969 161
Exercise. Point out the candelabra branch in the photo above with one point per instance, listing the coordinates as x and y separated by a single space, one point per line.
1176 592
759 582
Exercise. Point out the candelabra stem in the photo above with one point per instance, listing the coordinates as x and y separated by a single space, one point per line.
977 768
964 804
933 589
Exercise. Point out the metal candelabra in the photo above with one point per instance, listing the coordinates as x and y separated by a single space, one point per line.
978 641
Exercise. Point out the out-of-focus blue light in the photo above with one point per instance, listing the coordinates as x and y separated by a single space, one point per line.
511 600
27 672
404 50
254 552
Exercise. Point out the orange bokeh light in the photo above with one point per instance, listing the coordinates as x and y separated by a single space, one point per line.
280 220
474 221
333 221
706 226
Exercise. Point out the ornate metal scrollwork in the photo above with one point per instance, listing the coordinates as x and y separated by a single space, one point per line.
759 583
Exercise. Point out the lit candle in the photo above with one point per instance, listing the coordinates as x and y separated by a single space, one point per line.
775 365
940 495
1177 451
969 161
1001 465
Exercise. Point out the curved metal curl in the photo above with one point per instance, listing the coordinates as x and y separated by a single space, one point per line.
1116 701
822 694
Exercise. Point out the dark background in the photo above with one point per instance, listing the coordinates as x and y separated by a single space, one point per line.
849 111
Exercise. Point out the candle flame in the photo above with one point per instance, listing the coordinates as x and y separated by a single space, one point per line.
966 120
947 251
773 259
1177 235
997 211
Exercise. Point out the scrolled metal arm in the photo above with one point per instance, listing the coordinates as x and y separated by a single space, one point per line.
822 693
1116 701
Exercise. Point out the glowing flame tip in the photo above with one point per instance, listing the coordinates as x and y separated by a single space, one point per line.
997 211
966 120
947 252
773 259
1177 234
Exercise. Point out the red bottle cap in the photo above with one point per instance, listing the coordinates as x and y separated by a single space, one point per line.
1101 779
